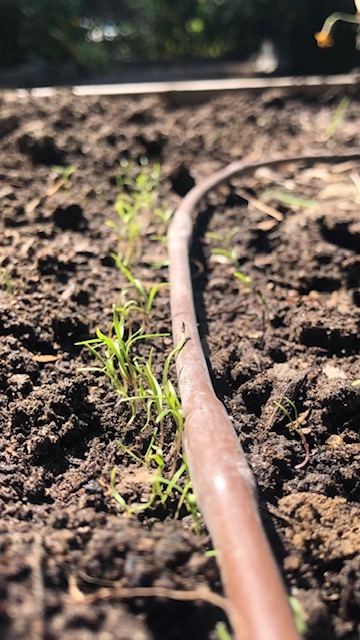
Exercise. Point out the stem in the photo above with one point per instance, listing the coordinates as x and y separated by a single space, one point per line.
336 17
223 482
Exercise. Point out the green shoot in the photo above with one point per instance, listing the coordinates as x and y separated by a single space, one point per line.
222 632
294 425
145 299
64 174
132 377
289 199
299 615
324 37
127 356
7 283
138 195
337 117
119 359
225 250
247 280
230 254
116 495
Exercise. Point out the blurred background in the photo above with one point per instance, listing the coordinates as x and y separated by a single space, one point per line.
67 41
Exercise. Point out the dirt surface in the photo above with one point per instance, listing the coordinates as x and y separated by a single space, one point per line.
67 550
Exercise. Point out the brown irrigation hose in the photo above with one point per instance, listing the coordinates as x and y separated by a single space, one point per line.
222 480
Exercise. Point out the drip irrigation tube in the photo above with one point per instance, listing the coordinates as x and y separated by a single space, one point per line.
223 482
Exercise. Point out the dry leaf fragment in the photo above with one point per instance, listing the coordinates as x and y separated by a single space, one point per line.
47 357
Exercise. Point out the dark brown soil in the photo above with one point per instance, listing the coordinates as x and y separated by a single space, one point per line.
295 333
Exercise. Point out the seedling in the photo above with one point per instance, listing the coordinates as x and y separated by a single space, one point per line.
161 489
144 298
222 632
324 37
120 361
246 280
294 425
299 615
131 373
225 249
7 283
64 173
64 179
138 195
289 199
337 117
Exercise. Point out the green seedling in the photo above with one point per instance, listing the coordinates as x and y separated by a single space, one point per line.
132 377
222 632
161 488
126 355
64 173
225 249
247 280
289 199
137 210
299 615
164 217
337 117
355 383
116 495
7 283
138 195
144 298
324 37
118 358
294 425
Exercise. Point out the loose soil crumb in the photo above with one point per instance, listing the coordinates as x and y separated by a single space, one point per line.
294 332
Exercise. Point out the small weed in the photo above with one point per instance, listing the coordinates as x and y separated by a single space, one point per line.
138 196
225 249
126 353
222 632
324 37
294 425
144 299
290 199
299 615
246 280
63 172
337 117
132 376
64 179
7 283
119 360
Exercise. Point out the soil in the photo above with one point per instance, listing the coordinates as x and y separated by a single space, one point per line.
292 332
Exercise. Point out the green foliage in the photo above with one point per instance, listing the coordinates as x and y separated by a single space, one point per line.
299 615
138 194
337 117
127 356
7 282
222 632
289 409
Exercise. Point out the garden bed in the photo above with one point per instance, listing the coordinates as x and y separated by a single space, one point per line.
292 331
